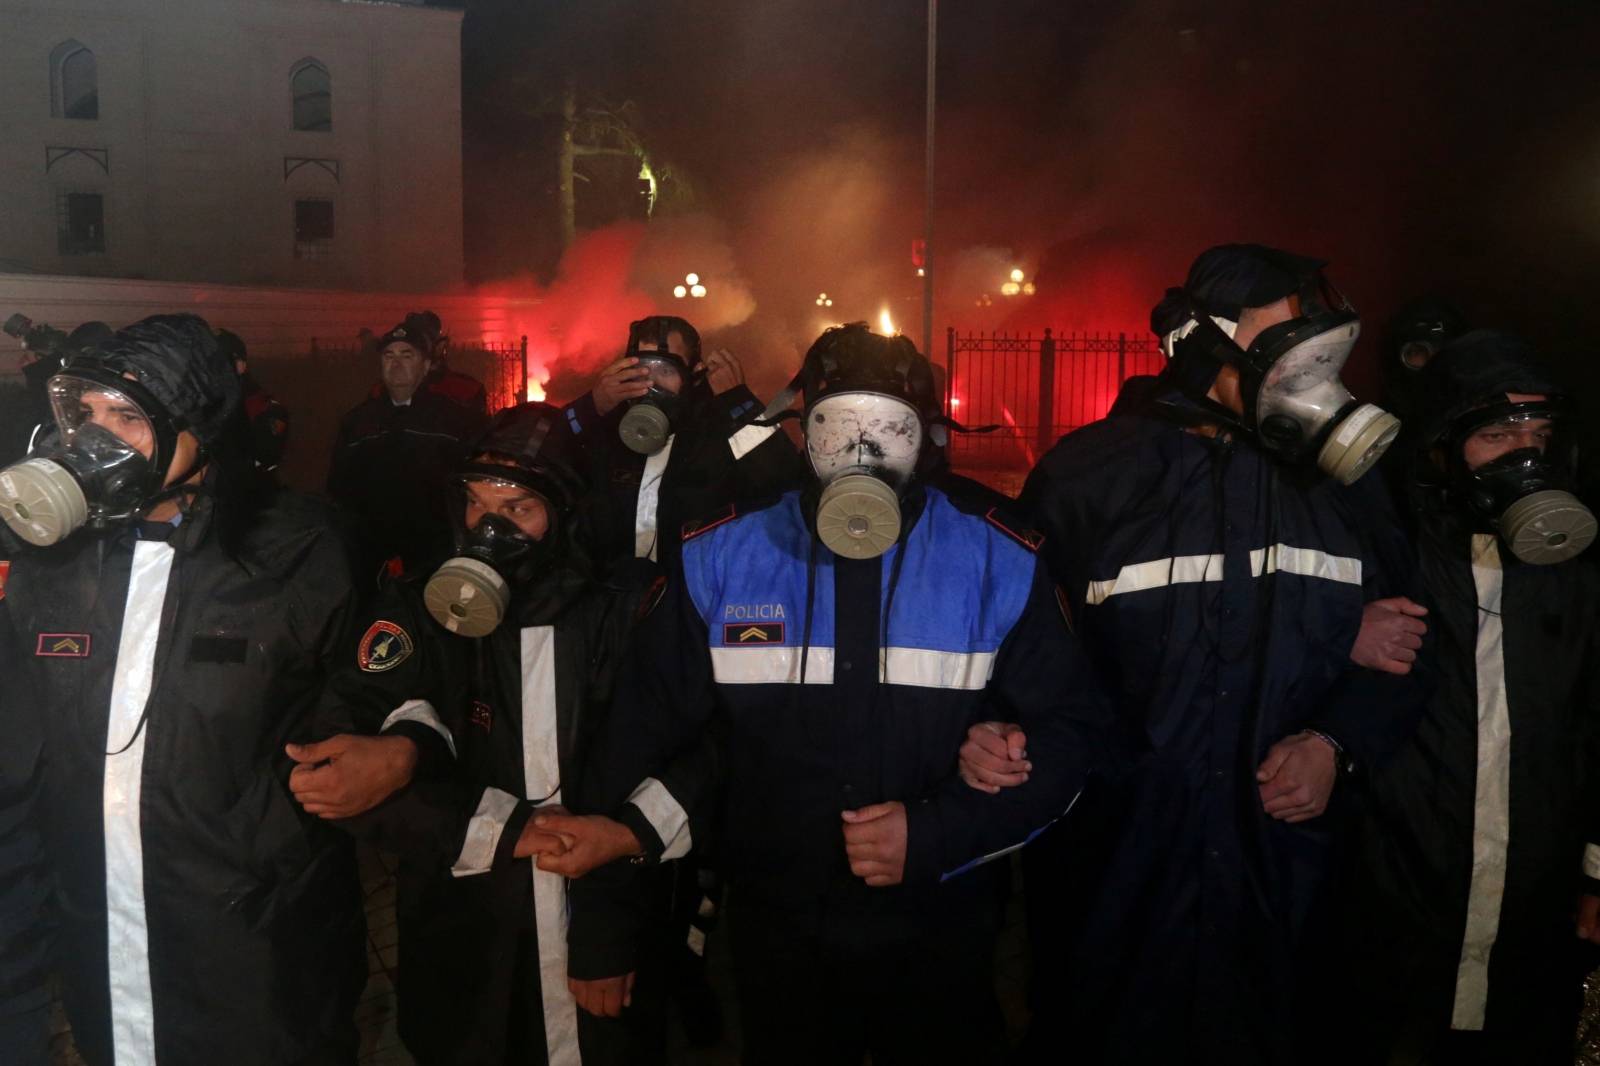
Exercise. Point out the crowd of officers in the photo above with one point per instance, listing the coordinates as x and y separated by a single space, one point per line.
1287 701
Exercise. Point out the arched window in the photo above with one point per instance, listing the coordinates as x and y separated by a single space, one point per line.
312 92
74 82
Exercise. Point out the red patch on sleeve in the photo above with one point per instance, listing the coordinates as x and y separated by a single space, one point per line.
1028 538
695 528
5 572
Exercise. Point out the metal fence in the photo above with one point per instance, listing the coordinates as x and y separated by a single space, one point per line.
502 366
1035 388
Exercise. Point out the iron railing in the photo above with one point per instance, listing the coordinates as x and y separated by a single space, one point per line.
1035 388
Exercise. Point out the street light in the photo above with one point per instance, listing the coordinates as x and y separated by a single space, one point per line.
1015 286
691 287
824 300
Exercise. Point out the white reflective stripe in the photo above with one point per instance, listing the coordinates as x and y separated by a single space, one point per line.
422 712
645 532
1155 574
935 669
770 666
541 778
1018 846
1188 569
665 815
483 833
1491 814
133 1035
1591 861
919 667
1306 562
749 439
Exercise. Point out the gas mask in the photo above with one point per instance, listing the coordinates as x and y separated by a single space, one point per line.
1295 404
653 417
470 592
864 448
90 472
1526 493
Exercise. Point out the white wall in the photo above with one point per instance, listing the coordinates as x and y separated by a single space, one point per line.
195 117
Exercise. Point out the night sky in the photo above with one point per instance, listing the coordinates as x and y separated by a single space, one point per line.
1449 149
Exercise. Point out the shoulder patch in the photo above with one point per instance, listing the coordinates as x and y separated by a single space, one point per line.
694 528
5 572
63 646
651 598
384 646
1028 538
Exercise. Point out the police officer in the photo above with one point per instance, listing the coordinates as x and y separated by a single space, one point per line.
393 459
1217 572
485 689
177 626
1471 845
669 435
832 646
428 332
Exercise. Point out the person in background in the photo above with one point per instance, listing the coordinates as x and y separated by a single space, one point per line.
669 434
393 461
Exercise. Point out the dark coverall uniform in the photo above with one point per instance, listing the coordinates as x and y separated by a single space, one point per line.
504 724
1465 857
900 655
204 918
391 473
1218 595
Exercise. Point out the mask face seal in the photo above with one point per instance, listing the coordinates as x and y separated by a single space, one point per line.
86 474
649 420
471 591
1526 493
1295 402
864 448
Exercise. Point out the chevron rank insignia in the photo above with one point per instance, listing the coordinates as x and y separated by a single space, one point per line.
747 633
62 646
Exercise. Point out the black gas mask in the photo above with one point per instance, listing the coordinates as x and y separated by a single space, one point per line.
1295 404
652 418
91 471
1525 494
471 592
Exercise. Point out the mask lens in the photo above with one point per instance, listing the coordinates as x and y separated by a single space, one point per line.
665 374
862 429
78 403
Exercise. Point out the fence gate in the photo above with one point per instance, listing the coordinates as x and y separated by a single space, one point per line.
1035 388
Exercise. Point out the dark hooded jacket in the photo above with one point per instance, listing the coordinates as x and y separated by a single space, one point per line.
203 917
1496 790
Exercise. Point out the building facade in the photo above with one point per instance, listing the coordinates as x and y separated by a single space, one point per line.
298 143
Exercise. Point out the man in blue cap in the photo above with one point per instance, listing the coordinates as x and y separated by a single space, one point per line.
1212 561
